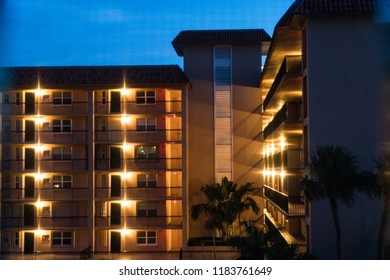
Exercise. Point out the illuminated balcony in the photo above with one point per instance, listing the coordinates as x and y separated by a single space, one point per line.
134 222
288 159
159 107
287 85
75 136
289 117
44 222
157 136
289 205
132 193
158 164
48 194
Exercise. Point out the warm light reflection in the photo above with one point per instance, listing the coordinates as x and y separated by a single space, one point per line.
39 119
39 148
125 118
38 176
125 91
126 203
126 147
40 204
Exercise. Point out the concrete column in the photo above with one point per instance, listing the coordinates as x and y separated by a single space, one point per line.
91 172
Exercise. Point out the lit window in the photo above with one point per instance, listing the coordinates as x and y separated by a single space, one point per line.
64 126
62 98
146 97
147 180
62 181
62 238
146 124
146 152
146 237
62 153
146 209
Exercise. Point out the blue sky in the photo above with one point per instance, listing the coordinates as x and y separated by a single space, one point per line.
118 32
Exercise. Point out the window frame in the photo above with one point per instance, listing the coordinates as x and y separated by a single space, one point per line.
147 182
62 126
61 238
62 182
148 237
147 153
146 209
148 125
62 100
148 97
63 156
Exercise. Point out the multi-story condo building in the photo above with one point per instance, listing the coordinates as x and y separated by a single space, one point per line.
223 111
92 161
321 85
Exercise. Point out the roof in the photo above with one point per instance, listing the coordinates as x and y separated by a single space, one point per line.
211 37
93 75
331 7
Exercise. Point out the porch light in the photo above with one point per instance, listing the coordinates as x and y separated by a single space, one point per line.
38 176
125 119
125 91
39 119
126 146
126 203
39 148
40 204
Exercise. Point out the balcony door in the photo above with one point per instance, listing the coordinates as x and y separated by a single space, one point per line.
115 105
115 242
116 185
29 187
29 243
29 158
115 214
115 157
29 104
29 134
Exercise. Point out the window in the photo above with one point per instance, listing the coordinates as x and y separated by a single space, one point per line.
146 237
17 182
146 97
17 239
62 153
46 182
62 181
62 238
6 98
146 124
146 209
146 152
104 97
62 98
147 180
17 98
62 126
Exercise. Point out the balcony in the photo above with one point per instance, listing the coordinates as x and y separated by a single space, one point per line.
132 193
288 159
47 108
131 107
44 222
288 79
290 205
76 136
46 194
288 117
134 222
158 164
158 136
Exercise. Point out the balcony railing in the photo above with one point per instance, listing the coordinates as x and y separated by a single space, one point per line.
288 159
46 194
44 222
157 136
290 113
47 108
134 222
131 107
47 137
159 193
141 164
290 205
290 65
46 165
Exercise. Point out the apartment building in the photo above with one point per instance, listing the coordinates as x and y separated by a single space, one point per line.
321 85
92 161
223 111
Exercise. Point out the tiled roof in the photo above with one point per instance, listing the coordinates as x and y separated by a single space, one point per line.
332 7
210 37
93 75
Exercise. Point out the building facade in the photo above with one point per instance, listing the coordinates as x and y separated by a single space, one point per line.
92 162
223 110
321 85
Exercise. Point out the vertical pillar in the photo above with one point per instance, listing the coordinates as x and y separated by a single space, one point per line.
91 173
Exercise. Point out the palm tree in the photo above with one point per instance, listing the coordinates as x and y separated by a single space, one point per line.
335 175
242 201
